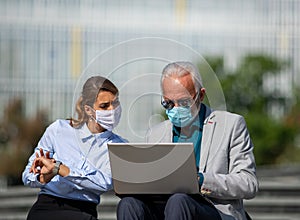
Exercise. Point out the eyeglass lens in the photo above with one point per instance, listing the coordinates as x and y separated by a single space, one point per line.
186 102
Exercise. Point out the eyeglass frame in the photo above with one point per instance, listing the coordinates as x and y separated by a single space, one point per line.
173 102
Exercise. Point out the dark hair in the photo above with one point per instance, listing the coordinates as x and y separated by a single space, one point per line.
90 91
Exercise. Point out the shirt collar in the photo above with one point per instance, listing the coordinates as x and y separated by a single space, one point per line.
86 134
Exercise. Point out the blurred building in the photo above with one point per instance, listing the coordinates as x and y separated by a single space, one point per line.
46 45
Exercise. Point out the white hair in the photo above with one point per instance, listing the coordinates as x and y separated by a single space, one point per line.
182 68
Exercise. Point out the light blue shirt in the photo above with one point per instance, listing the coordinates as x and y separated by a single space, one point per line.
85 154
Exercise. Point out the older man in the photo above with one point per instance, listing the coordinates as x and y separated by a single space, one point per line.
223 152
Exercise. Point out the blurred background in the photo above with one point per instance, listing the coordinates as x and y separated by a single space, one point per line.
46 47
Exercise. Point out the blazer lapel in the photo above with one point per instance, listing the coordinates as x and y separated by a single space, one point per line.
208 130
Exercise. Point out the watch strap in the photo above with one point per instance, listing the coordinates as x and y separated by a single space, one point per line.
56 167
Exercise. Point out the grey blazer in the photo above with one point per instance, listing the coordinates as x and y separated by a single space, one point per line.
226 160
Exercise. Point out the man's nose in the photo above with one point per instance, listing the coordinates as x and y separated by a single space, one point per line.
175 104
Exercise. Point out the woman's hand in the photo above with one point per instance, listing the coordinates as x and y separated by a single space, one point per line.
43 165
37 164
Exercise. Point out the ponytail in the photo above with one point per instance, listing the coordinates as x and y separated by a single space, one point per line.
81 116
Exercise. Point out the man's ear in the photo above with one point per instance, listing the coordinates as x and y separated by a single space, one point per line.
202 94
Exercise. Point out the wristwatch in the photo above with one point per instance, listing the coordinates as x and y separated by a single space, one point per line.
56 167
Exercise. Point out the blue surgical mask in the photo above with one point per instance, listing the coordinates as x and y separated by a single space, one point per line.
180 116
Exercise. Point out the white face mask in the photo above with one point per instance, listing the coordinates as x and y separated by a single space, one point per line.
109 119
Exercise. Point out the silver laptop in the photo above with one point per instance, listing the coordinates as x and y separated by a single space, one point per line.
161 168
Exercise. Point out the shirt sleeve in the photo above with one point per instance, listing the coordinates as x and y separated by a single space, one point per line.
45 143
92 177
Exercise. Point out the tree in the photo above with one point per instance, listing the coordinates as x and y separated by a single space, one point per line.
18 136
245 94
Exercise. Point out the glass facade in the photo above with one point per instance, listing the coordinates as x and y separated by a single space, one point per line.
45 46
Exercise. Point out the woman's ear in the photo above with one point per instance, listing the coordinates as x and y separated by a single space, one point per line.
88 110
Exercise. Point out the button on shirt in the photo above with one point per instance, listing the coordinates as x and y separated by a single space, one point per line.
85 154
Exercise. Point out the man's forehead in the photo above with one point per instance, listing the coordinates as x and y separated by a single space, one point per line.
178 86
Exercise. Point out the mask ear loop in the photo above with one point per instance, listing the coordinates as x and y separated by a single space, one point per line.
91 117
197 102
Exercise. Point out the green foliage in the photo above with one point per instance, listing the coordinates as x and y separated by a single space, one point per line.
271 138
18 136
243 87
245 94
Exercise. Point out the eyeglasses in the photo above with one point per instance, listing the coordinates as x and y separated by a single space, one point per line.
185 102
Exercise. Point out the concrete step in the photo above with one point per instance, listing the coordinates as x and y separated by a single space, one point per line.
275 200
15 203
13 216
107 216
108 203
273 205
23 215
280 186
274 216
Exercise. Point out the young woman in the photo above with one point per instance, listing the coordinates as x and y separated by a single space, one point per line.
70 164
